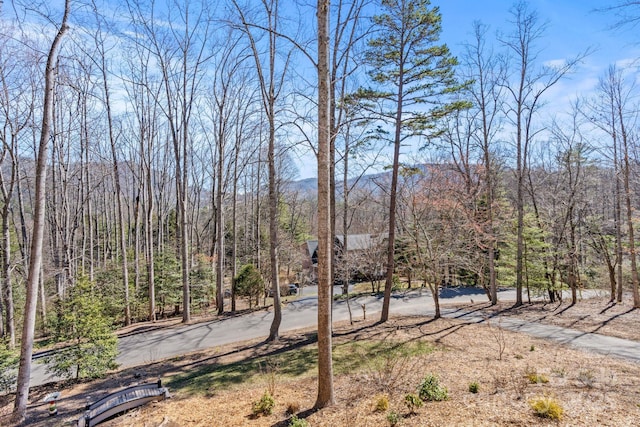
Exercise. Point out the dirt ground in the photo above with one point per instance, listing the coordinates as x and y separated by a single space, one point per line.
592 389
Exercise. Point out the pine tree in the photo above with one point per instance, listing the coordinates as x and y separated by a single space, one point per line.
414 80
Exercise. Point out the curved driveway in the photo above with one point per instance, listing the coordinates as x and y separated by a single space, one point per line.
145 347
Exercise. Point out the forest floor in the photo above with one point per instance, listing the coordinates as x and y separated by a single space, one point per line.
219 387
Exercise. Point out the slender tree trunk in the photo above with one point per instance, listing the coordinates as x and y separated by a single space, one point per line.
122 234
28 329
491 250
393 199
6 278
234 229
219 226
258 215
149 245
136 241
273 234
520 209
630 230
618 217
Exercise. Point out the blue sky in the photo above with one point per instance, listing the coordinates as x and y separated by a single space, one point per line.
573 27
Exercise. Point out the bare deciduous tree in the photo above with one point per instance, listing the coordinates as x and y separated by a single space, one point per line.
26 347
526 84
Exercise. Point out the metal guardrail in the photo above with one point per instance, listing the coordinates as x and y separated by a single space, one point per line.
121 401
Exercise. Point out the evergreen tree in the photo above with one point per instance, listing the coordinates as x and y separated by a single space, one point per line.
249 283
90 343
414 80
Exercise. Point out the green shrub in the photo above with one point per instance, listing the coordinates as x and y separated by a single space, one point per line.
413 402
397 285
474 387
431 390
298 422
265 405
8 368
393 418
382 403
547 407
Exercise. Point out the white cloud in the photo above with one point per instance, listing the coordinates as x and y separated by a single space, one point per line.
555 63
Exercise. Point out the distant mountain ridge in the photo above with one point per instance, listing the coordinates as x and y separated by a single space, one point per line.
369 182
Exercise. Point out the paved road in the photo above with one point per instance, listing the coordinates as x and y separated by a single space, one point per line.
603 344
146 347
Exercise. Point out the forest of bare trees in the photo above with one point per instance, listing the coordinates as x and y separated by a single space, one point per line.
152 149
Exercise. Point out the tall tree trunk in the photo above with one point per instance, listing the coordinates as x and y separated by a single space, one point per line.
273 233
234 227
270 84
325 363
28 329
393 194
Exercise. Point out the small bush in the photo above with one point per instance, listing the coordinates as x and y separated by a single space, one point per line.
431 390
382 403
474 387
393 418
265 405
8 369
535 378
298 422
397 285
547 407
413 402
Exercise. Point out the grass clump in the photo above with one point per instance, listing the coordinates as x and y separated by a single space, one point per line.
382 403
292 408
431 390
587 378
474 387
413 402
547 407
298 422
393 418
535 378
265 405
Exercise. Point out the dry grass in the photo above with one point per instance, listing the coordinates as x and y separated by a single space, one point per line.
592 389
